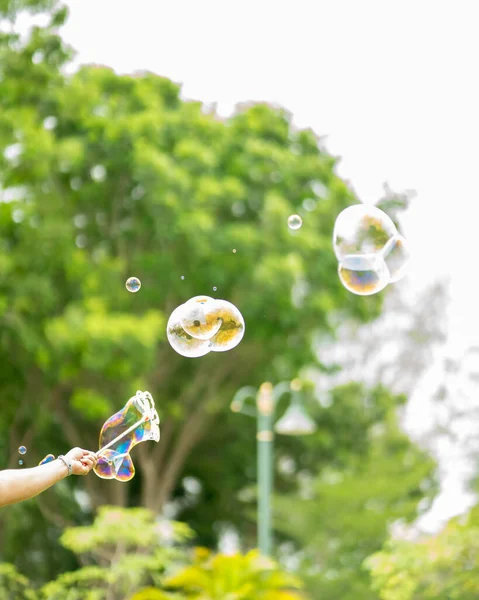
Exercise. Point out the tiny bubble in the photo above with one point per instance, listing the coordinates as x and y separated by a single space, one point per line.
234 250
214 289
22 450
20 462
182 277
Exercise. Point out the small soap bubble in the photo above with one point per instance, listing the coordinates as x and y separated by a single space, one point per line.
234 250
182 277
294 222
20 462
22 450
214 288
133 284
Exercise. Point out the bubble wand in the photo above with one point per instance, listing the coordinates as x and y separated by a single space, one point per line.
114 461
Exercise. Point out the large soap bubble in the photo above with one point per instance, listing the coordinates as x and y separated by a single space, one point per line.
181 341
370 251
203 324
361 229
363 275
137 422
199 317
232 327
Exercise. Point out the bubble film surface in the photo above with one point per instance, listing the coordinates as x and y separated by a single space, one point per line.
48 458
295 222
133 284
203 324
181 341
370 251
364 275
22 450
396 256
135 423
232 327
361 229
199 319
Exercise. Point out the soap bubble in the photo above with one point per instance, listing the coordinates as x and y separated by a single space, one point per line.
48 458
181 341
362 230
22 450
234 250
182 277
370 251
363 275
199 318
204 324
396 257
232 327
214 288
295 222
20 462
133 284
115 462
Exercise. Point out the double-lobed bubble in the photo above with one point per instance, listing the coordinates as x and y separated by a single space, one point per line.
202 325
370 250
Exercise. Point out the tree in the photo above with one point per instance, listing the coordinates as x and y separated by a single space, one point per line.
122 551
236 577
105 176
443 566
347 511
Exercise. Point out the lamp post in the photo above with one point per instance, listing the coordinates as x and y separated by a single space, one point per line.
295 421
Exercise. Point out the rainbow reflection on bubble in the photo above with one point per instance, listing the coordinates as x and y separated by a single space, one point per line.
135 423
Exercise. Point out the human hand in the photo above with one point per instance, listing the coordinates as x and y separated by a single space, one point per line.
82 461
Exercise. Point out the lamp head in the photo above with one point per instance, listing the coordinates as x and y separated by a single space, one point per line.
295 421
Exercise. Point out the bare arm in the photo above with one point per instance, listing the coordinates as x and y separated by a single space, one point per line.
16 486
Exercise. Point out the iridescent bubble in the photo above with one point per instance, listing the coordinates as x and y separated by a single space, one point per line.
20 462
361 230
396 256
182 342
22 450
294 222
234 250
182 277
363 275
133 284
214 288
199 318
232 327
48 458
136 422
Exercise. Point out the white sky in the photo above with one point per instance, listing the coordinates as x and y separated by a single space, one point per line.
392 84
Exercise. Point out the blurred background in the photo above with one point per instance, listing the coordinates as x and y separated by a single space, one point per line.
171 142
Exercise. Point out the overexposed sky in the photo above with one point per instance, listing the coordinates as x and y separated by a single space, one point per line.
391 83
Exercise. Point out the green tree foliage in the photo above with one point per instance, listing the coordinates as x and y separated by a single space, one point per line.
122 551
235 577
347 510
104 176
440 567
13 585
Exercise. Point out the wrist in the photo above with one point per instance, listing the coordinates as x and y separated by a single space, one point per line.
67 465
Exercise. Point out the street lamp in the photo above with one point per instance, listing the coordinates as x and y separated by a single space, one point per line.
295 421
